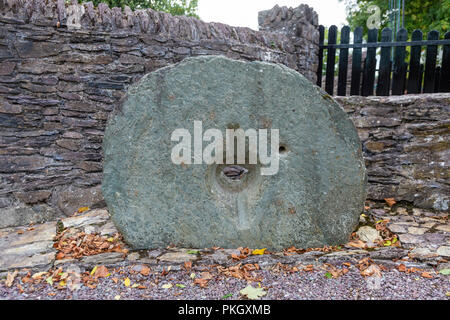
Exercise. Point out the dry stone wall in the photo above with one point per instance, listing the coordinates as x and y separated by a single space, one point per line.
406 145
63 67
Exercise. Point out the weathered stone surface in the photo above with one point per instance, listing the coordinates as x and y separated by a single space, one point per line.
92 218
33 197
71 199
422 253
444 227
352 255
410 239
7 68
444 251
177 257
23 215
369 235
27 248
106 259
314 199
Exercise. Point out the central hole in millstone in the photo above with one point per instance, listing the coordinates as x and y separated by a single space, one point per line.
234 172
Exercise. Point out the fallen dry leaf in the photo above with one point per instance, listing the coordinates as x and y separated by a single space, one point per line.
81 244
82 209
253 293
145 271
101 272
259 251
390 201
357 244
240 271
206 275
426 275
188 265
202 283
372 270
10 278
60 256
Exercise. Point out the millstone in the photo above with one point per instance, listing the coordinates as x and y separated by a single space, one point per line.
314 199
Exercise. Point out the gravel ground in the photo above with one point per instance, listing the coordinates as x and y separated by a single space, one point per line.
393 285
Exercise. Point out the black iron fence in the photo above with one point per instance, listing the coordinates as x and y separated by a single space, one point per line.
384 72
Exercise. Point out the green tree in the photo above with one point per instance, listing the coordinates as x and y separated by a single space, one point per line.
419 14
174 7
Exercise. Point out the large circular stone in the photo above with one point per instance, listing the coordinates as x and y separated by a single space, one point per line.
315 198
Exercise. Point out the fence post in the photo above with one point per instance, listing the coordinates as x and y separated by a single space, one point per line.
343 62
356 63
384 74
370 65
414 65
331 59
320 64
399 75
430 64
445 70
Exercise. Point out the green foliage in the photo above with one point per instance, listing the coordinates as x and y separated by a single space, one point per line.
174 7
419 14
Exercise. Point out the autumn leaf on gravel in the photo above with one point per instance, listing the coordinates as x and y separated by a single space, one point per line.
333 272
188 265
39 275
145 271
49 280
283 267
202 283
403 268
10 278
167 286
308 268
101 272
206 275
372 270
426 275
445 272
127 282
60 256
253 293
244 253
259 251
240 271
390 201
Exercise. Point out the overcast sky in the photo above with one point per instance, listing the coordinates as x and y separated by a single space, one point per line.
244 13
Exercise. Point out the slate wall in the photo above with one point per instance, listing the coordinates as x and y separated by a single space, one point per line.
63 68
406 145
